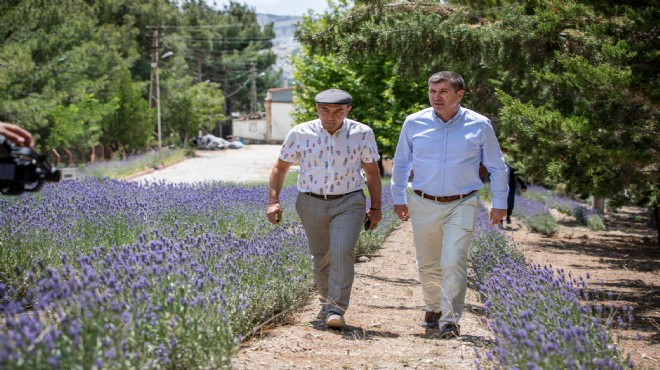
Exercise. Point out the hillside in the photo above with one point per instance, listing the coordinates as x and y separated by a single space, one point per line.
284 44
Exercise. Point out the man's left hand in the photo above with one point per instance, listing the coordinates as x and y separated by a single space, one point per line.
497 215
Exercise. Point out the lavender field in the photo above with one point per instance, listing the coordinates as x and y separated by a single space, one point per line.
581 212
118 275
115 275
541 318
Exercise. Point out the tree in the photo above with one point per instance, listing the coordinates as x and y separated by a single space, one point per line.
55 55
206 102
225 52
67 56
572 86
131 125
77 125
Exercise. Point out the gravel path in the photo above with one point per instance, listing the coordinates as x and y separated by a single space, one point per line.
248 164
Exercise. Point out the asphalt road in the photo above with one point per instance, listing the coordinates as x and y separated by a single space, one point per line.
248 164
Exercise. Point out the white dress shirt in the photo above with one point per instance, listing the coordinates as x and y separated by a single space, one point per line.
445 156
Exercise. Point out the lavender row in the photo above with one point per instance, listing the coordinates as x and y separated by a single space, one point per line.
133 163
536 216
541 318
119 275
583 214
108 274
76 216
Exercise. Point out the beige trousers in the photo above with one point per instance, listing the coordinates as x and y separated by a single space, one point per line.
442 233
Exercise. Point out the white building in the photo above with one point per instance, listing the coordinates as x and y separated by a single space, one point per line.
279 107
272 128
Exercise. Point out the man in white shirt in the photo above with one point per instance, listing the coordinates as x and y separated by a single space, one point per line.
443 145
331 152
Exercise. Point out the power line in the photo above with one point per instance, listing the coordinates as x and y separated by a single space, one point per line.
221 41
208 26
239 88
203 26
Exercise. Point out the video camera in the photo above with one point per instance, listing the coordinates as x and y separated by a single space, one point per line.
22 169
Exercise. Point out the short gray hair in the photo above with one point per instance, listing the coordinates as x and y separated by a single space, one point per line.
453 78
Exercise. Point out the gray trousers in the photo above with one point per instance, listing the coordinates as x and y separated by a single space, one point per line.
333 229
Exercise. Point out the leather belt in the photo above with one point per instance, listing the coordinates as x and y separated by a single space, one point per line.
450 198
330 196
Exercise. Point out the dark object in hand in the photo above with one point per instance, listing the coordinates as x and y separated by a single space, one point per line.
367 223
22 169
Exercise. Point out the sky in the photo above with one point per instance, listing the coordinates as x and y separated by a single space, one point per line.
279 7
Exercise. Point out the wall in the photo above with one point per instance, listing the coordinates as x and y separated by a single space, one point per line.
250 130
280 120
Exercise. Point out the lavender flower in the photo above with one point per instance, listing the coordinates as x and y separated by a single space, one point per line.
541 318
117 265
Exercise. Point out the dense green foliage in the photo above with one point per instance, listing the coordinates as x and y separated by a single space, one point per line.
571 86
77 73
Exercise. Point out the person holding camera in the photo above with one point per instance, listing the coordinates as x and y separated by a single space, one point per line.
331 151
16 134
22 169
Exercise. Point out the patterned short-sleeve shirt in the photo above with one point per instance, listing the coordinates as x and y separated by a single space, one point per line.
330 164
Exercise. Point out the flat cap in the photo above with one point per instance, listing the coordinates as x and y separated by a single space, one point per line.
333 96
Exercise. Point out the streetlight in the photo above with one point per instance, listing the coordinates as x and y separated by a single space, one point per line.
154 65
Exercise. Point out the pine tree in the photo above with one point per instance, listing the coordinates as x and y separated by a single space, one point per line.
571 86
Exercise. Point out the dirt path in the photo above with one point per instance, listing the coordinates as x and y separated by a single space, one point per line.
384 318
384 325
625 258
250 163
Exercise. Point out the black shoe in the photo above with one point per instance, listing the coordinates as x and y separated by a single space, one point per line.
431 319
450 330
508 220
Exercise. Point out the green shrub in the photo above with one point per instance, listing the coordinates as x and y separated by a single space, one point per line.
542 223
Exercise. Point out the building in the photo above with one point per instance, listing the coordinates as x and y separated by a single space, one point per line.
272 127
279 107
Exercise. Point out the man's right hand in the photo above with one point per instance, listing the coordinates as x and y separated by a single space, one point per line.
274 213
401 210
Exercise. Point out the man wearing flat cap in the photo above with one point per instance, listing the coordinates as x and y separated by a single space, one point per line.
331 152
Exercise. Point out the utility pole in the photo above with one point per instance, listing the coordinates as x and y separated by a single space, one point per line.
228 106
253 89
155 81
